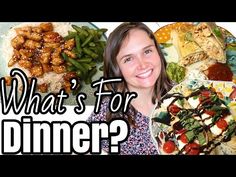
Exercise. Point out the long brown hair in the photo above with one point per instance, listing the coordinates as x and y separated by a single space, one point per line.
111 68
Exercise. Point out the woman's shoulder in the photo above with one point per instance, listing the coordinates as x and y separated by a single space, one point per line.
104 104
103 109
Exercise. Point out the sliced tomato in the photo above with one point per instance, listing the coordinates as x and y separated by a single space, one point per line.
192 149
161 135
180 131
174 109
233 94
213 89
222 124
205 94
178 126
210 112
169 147
184 138
220 95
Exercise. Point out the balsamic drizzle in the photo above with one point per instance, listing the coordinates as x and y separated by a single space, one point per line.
205 104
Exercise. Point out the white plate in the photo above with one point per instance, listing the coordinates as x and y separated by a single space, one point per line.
171 54
224 87
4 28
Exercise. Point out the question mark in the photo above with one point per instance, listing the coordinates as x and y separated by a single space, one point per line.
119 130
74 83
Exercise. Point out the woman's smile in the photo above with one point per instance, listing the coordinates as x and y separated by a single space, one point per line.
145 74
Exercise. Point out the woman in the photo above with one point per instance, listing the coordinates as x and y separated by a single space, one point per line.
133 54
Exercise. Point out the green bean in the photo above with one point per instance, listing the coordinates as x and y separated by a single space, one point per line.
100 58
104 30
71 32
78 73
65 57
84 60
77 90
93 64
102 43
87 40
86 56
78 47
99 34
100 49
89 49
92 44
85 28
92 32
101 68
86 65
89 52
70 36
71 68
94 49
74 50
99 46
80 30
68 63
92 73
88 80
77 65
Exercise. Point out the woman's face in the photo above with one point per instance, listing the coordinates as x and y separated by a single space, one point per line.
139 60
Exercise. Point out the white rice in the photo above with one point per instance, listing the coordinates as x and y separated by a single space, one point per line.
54 80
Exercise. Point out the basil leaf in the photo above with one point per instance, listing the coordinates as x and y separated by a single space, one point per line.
189 37
190 135
217 32
180 102
231 128
163 117
165 45
201 138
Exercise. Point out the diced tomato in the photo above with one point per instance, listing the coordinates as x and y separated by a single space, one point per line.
178 126
205 94
173 109
233 94
220 95
210 112
180 131
192 149
225 113
222 124
161 135
169 147
184 138
212 89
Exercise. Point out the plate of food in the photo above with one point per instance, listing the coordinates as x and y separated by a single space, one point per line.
201 50
54 52
196 119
